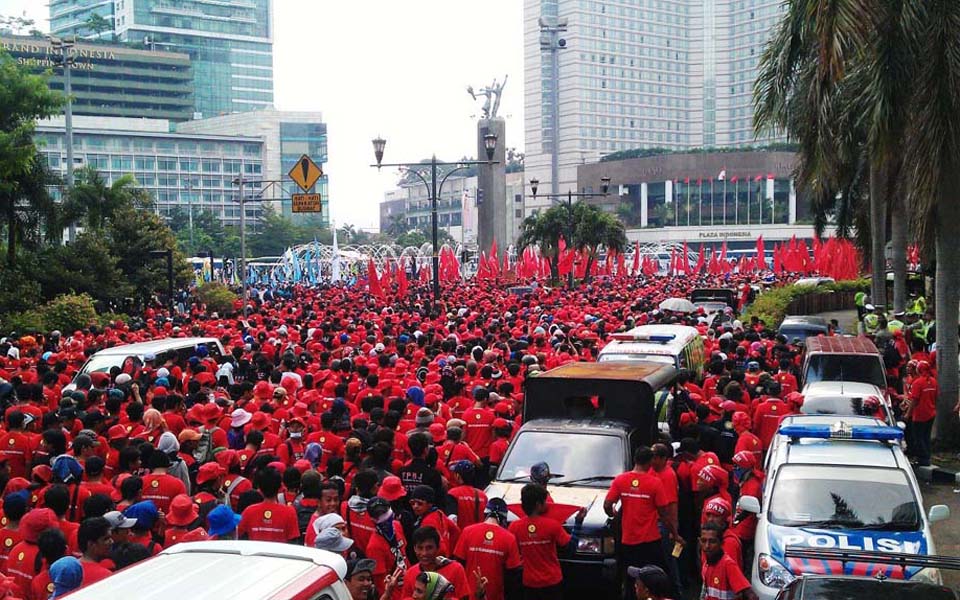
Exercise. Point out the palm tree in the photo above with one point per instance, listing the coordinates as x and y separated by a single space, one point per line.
95 201
835 77
348 232
29 211
597 229
545 230
932 170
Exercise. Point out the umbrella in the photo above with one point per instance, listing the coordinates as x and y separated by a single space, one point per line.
678 305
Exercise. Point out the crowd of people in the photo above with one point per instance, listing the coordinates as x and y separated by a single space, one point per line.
370 428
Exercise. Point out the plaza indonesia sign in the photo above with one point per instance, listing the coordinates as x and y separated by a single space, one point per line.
41 54
723 235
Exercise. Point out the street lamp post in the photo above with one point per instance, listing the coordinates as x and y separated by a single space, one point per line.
570 195
189 189
238 181
66 59
550 41
434 190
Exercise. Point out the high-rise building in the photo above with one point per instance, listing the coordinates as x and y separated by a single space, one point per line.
230 42
181 171
673 74
113 80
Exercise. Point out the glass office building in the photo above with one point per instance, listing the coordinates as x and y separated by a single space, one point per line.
178 170
287 135
230 42
673 74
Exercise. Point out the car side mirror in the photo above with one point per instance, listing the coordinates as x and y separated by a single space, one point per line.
750 504
938 512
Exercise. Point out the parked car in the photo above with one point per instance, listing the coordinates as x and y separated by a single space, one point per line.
238 570
800 327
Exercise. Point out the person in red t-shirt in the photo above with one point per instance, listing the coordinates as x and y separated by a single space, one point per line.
469 501
479 424
923 408
95 544
722 578
539 539
269 521
489 549
423 504
15 445
768 414
746 440
159 486
22 564
14 507
643 502
426 545
388 547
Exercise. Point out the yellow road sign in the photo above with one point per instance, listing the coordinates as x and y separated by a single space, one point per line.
306 203
305 173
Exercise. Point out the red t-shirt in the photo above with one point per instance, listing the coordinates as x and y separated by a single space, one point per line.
479 430
538 539
41 587
492 549
359 525
640 495
8 539
498 449
470 505
20 565
923 393
99 487
161 488
668 477
751 443
722 580
766 419
451 569
269 521
93 572
449 532
15 447
241 487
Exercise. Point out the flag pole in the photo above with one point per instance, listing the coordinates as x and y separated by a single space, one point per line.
713 201
724 198
736 201
700 203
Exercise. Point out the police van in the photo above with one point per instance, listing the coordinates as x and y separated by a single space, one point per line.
676 345
843 484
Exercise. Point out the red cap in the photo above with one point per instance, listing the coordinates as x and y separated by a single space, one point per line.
392 489
502 408
303 465
35 522
117 432
211 412
182 511
500 423
439 432
260 420
209 471
717 506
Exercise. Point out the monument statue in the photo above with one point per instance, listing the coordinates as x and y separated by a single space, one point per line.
492 95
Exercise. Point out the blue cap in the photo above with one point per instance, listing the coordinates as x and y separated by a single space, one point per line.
163 381
416 395
201 350
67 469
222 520
462 467
144 512
66 574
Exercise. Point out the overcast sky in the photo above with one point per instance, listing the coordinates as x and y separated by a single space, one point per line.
395 69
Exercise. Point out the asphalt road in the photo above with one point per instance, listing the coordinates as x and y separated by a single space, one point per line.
946 534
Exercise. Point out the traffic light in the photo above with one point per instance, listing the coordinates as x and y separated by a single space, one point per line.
479 196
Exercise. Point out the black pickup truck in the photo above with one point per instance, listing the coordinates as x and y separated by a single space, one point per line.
584 420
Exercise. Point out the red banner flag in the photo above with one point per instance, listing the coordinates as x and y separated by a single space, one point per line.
372 280
636 259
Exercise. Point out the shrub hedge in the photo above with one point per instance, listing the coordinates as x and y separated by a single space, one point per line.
771 306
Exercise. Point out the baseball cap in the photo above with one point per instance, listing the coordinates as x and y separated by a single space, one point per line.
653 578
118 521
333 540
360 565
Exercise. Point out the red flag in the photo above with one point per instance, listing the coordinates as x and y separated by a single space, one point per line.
372 280
770 176
761 254
686 180
757 178
733 179
700 260
636 258
402 283
685 260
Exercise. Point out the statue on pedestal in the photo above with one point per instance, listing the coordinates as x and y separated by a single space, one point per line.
492 93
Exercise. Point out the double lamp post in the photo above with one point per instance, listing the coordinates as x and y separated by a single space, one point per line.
434 190
570 195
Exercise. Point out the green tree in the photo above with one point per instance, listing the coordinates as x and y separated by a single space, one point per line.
94 201
834 78
98 24
86 266
544 230
596 229
418 237
24 98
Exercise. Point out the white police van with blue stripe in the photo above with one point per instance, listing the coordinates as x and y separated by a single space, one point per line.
838 484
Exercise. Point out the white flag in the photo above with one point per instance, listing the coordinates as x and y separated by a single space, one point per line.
335 262
722 175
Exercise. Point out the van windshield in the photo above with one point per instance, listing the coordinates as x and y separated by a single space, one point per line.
102 364
862 368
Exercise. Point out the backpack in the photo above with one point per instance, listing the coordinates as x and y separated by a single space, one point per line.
204 452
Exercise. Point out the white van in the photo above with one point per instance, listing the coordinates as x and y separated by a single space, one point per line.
218 570
160 350
676 345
